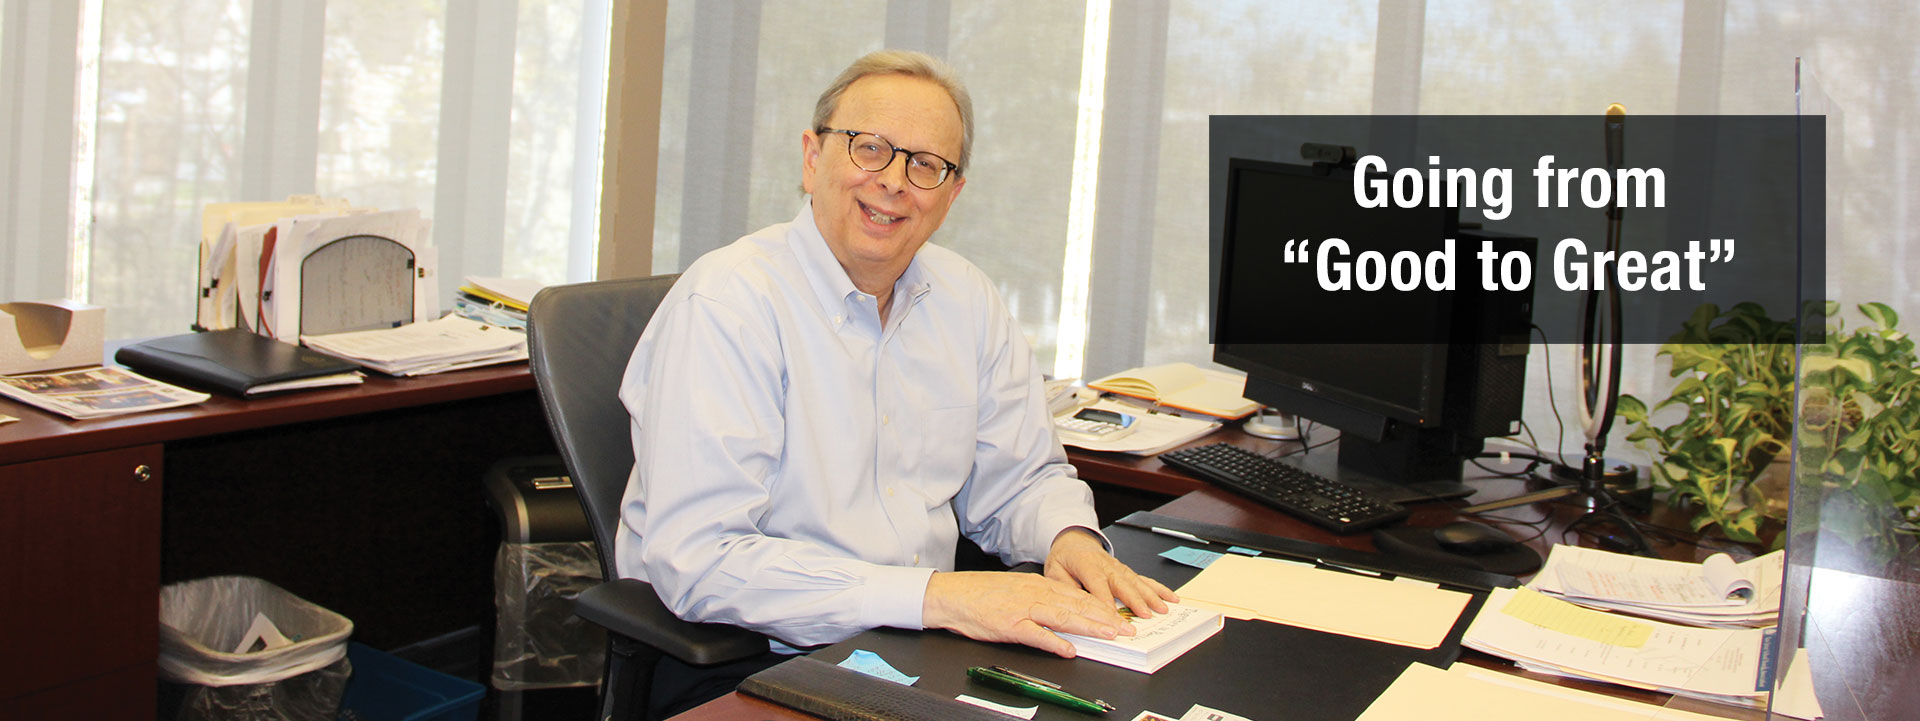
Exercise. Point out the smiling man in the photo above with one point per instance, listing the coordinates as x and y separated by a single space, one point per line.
823 407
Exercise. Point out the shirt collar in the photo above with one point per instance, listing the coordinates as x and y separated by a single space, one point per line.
831 286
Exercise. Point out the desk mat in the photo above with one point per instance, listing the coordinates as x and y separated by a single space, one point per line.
1259 670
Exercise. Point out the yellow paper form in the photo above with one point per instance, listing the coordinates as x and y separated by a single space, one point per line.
1554 615
1331 601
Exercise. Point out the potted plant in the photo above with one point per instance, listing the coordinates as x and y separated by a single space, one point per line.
1859 440
1737 381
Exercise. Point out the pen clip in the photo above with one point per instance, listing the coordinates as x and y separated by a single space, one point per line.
1027 678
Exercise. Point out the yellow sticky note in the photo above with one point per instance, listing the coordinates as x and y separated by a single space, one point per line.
1556 615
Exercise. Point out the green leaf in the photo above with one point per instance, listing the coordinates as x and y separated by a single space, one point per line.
1632 410
1700 521
1880 313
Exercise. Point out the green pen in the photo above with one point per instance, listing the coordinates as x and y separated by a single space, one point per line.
1038 689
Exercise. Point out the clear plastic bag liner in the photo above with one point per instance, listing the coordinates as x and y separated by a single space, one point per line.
539 643
202 621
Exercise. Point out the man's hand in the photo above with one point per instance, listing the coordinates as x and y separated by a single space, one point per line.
1078 558
1017 608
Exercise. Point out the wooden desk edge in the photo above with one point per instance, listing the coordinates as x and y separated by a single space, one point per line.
41 434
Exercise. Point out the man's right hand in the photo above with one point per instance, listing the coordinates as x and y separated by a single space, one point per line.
1017 608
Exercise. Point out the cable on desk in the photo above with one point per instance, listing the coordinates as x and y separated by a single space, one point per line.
1546 360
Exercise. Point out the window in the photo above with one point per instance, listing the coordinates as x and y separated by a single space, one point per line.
485 116
1169 65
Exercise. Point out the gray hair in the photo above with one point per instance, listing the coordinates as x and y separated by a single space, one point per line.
909 63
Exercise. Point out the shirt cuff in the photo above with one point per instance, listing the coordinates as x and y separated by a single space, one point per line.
1104 543
896 597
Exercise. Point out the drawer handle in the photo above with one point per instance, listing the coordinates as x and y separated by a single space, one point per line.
142 473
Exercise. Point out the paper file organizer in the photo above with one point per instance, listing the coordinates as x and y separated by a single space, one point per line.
44 335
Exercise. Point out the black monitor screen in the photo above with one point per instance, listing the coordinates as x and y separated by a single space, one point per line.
1270 204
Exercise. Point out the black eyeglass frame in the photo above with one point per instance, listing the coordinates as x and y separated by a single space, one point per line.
948 169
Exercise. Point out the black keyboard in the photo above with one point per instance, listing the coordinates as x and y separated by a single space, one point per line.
1321 501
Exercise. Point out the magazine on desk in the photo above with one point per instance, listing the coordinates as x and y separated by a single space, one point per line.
84 393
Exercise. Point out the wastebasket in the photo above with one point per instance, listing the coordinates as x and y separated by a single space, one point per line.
240 648
546 558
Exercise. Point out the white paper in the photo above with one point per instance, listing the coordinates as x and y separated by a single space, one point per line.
1594 644
263 633
1690 593
1025 713
1795 696
1202 713
450 343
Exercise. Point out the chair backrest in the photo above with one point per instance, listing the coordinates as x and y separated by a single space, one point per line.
580 337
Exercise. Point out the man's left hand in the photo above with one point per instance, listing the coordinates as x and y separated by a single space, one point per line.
1077 557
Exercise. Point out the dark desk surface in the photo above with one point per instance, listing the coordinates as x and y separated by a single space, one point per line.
1200 501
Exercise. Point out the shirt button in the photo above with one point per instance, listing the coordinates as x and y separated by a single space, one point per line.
886 420
889 491
916 559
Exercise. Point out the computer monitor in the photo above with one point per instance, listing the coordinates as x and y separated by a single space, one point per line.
1410 411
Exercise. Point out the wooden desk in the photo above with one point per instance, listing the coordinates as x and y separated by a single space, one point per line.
365 500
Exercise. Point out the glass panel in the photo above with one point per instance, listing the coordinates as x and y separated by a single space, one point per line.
380 102
172 76
1854 559
541 147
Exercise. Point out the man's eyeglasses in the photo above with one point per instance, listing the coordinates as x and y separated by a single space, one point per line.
873 154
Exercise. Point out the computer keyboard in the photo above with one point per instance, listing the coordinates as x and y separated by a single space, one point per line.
1322 501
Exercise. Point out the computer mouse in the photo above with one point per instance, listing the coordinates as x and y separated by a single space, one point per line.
1472 538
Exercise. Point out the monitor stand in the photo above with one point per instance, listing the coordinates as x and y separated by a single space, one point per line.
1399 471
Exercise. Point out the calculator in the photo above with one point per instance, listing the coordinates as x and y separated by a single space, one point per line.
1094 424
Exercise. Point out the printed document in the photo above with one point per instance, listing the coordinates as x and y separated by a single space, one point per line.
1554 636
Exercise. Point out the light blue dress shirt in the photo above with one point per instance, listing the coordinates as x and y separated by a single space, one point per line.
801 470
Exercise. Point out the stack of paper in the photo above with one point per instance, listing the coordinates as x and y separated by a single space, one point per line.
1548 635
1298 594
1155 642
1715 592
499 302
450 343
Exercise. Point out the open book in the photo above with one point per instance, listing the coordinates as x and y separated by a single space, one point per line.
1156 641
1183 386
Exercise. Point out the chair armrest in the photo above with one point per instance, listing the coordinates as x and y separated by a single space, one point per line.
630 608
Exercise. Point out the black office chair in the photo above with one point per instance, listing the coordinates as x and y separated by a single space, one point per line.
579 337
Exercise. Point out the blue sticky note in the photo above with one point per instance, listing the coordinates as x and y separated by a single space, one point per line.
1189 556
871 664
1243 551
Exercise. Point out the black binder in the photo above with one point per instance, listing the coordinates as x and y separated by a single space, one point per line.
837 694
230 361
